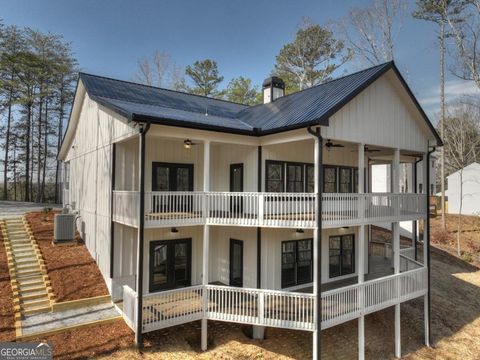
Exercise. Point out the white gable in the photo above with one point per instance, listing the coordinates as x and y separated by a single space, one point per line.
384 115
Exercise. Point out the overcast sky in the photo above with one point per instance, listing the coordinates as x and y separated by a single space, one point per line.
108 37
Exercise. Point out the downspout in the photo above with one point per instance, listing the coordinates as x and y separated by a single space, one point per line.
112 223
259 229
141 230
415 190
428 243
319 195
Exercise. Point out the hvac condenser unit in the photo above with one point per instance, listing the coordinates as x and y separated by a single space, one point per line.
64 228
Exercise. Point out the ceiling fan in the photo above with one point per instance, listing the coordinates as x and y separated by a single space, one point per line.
187 144
329 144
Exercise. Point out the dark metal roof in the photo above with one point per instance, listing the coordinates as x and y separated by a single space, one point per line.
309 107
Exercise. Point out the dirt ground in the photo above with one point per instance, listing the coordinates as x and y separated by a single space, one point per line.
455 326
7 321
447 239
455 329
73 272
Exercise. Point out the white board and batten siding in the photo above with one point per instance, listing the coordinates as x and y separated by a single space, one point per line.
382 115
470 191
89 158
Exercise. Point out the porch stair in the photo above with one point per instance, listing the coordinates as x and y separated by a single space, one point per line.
32 293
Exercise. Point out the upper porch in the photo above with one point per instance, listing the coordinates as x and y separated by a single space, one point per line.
192 181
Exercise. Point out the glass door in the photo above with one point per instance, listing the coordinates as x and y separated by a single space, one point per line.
236 263
170 264
236 185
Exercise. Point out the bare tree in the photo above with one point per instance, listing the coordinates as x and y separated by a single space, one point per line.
465 29
462 146
371 31
159 70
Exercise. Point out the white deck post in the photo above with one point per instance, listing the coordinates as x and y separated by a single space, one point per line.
396 249
425 252
361 252
206 239
316 261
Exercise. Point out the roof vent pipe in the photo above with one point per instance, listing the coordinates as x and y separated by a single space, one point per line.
273 88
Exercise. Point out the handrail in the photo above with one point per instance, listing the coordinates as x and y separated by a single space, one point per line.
297 210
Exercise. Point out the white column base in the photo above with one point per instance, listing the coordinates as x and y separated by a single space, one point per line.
204 335
361 338
398 340
258 332
315 352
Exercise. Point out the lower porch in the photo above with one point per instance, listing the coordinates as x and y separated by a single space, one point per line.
273 308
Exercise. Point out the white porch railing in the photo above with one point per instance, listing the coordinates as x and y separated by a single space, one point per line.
348 303
295 210
408 252
261 307
173 307
291 310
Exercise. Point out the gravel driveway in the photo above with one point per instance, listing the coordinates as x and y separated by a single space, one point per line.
16 208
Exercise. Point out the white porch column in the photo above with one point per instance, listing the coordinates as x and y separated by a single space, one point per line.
316 261
361 251
206 237
425 252
396 248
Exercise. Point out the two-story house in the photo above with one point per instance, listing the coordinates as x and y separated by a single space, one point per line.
201 209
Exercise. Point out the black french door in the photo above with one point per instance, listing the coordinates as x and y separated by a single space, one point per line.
173 177
170 264
236 185
236 263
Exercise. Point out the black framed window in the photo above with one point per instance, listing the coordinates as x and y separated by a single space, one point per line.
297 266
341 255
295 181
345 180
310 178
329 179
172 177
275 175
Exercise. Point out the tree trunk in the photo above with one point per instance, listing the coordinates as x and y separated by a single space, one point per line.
15 171
45 153
39 142
27 153
59 143
7 144
459 224
442 118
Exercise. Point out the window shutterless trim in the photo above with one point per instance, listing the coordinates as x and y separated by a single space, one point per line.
295 263
341 255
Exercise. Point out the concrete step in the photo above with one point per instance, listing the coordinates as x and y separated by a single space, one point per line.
27 266
22 246
27 304
37 295
26 260
28 273
36 310
34 288
29 282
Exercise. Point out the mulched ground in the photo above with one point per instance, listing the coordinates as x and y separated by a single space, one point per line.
7 321
88 342
73 272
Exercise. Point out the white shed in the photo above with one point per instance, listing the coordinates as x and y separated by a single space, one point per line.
470 191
